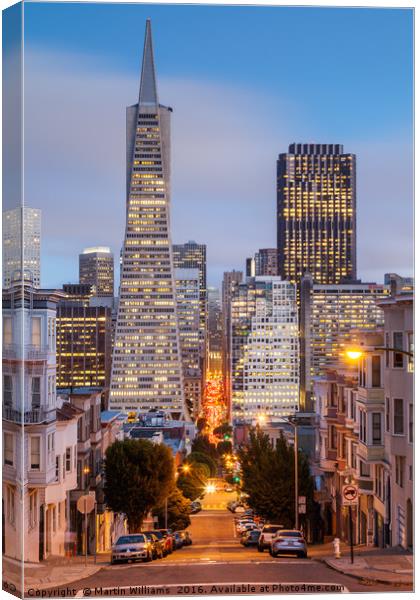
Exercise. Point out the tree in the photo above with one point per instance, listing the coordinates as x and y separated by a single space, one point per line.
268 478
200 457
203 445
223 429
178 511
192 484
224 448
138 476
201 424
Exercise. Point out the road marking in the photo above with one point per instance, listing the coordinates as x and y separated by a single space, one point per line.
209 561
223 584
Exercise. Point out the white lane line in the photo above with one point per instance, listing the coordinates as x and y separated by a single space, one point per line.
145 590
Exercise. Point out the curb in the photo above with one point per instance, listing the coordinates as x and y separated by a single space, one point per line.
45 584
368 578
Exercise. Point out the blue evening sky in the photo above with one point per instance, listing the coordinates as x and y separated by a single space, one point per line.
244 82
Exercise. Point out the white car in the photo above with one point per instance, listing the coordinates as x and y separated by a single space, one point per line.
267 534
134 546
246 527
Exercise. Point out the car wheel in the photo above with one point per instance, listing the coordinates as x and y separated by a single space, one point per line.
303 555
260 549
148 557
271 552
113 561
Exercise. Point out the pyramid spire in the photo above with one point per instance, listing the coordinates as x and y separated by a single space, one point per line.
148 91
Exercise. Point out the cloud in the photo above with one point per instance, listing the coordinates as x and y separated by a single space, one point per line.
225 141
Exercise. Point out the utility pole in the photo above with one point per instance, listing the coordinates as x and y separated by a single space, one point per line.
166 513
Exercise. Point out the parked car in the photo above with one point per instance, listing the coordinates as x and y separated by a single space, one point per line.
246 527
250 538
229 488
195 507
267 533
186 538
178 541
169 539
134 546
289 541
157 546
164 543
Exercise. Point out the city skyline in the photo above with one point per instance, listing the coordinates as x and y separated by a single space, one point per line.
204 207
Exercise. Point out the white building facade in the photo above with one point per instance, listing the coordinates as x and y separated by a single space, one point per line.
39 466
271 355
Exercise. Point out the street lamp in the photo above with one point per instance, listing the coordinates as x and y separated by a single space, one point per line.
356 353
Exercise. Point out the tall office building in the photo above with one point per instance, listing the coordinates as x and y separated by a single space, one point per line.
194 256
264 263
329 317
271 356
188 308
230 280
18 222
96 267
83 345
215 331
146 363
316 213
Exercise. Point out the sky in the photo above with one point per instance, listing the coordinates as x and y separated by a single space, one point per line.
244 83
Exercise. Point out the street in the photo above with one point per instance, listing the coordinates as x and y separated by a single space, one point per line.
217 559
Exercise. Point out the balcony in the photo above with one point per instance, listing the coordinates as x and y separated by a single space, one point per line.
29 417
36 352
373 395
371 453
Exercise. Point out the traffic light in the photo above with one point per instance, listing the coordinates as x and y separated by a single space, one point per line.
236 479
226 437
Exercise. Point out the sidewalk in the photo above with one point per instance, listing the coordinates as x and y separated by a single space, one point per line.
377 565
53 572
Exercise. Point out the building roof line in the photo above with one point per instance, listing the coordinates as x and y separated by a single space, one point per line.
148 90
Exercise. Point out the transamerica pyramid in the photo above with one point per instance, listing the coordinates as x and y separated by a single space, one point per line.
146 363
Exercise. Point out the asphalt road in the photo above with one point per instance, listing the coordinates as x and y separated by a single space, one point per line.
215 564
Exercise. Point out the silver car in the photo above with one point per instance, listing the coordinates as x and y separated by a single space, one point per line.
289 541
134 546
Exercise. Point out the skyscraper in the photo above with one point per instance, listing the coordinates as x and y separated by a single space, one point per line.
194 256
264 262
230 280
188 309
271 355
316 213
146 364
96 267
18 222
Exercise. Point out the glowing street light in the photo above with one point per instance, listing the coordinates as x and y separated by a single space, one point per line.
210 488
186 468
354 354
262 419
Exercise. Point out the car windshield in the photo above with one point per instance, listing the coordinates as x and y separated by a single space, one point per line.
289 534
130 539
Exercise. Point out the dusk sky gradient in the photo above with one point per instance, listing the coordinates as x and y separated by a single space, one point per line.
243 82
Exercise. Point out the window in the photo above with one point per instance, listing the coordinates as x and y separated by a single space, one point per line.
68 459
376 371
399 470
7 390
364 469
35 445
353 455
8 449
410 345
362 426
376 429
387 344
33 509
7 331
333 437
379 482
64 467
410 423
387 414
57 468
398 361
36 332
398 416
50 446
36 392
10 500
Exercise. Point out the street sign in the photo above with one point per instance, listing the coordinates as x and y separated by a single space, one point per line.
350 495
86 504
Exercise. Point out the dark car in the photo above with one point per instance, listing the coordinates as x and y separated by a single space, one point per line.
195 507
250 538
186 538
164 544
178 541
156 545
